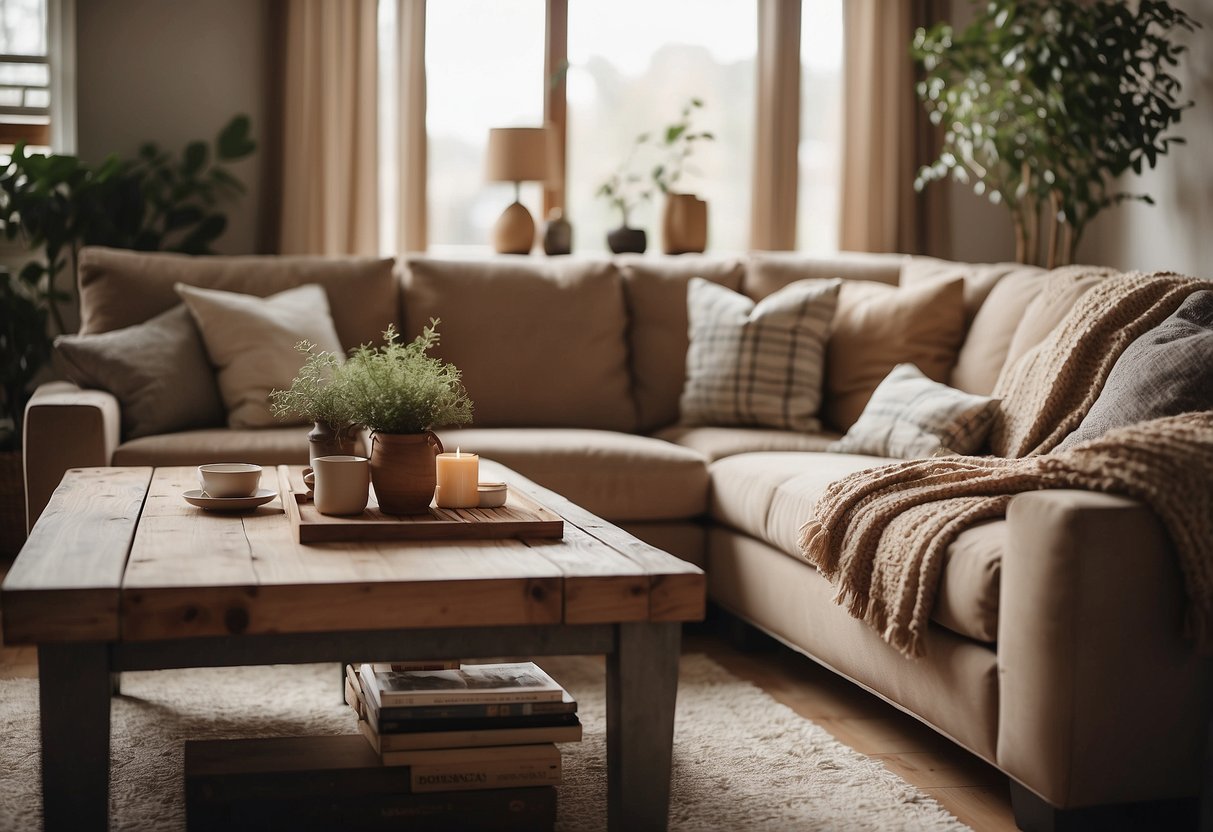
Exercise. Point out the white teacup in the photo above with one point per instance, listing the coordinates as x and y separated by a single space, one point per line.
229 479
342 484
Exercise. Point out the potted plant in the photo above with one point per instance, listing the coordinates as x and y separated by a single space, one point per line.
1046 104
626 190
318 395
685 218
401 394
54 204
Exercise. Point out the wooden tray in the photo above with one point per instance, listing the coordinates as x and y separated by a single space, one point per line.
520 517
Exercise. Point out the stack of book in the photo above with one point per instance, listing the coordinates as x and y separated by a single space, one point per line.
465 726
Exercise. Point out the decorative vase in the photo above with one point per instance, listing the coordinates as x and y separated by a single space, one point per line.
627 240
323 440
403 470
557 234
684 224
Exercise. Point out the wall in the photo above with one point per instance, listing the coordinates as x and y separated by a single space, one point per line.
173 72
1176 233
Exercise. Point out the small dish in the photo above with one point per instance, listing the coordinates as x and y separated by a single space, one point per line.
195 497
493 494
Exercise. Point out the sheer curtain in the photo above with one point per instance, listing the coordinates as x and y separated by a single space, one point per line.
886 136
329 128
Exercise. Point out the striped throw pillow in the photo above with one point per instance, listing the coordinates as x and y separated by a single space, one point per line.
910 416
757 365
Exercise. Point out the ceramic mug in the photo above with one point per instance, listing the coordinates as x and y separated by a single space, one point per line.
342 484
229 479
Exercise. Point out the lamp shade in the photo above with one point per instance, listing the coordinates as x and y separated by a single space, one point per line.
522 154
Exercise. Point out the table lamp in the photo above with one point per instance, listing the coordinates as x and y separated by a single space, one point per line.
519 154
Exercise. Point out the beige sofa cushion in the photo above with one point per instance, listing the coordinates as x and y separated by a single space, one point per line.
268 446
656 295
541 343
878 327
618 476
1045 312
979 278
984 350
717 442
768 272
120 288
770 496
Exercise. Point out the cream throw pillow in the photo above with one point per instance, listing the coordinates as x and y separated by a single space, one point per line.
878 327
757 365
910 417
251 341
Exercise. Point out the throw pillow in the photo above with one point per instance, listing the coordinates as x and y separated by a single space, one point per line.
251 341
878 327
1165 372
157 370
910 417
757 365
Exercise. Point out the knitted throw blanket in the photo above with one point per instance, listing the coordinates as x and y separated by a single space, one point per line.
1045 395
879 535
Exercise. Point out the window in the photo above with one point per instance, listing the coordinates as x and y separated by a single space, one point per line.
819 155
632 65
484 68
24 74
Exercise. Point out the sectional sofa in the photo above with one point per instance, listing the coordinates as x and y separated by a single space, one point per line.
1055 651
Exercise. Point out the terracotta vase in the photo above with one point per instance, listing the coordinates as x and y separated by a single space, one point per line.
324 441
402 470
627 240
684 224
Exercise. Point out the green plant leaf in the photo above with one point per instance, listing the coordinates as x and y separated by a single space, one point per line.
234 140
194 158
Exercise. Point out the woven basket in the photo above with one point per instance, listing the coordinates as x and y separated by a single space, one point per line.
12 504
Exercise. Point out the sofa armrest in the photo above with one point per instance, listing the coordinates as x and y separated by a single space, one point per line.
65 427
1102 698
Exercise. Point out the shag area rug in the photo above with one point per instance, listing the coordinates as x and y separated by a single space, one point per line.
742 761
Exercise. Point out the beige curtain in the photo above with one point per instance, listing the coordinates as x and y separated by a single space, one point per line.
886 136
411 228
330 202
777 127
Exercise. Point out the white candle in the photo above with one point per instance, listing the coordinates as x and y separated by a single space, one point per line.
458 480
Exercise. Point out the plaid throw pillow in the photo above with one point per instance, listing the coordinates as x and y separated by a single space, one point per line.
757 365
909 417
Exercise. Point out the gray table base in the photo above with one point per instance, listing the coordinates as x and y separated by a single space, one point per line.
641 686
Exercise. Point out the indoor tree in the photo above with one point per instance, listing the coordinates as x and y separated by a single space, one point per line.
1045 103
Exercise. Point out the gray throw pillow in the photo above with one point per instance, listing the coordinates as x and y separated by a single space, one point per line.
1166 372
158 371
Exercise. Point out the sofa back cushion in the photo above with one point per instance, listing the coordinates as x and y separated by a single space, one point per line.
122 288
979 278
656 295
985 346
541 343
768 272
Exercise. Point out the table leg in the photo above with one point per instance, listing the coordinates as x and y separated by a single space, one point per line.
74 701
642 685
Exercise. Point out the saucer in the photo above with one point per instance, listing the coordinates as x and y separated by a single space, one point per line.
259 498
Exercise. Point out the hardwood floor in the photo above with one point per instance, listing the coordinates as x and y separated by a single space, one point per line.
966 786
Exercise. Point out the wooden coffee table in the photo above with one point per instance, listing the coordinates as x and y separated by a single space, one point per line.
120 573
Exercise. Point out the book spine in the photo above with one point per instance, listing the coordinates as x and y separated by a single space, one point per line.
478 739
505 774
465 697
422 712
